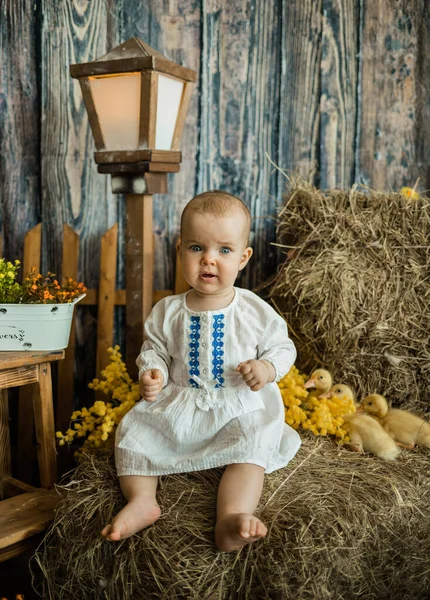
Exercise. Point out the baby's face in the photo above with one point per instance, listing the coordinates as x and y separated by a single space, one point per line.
212 251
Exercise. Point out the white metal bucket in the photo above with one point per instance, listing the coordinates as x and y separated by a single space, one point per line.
36 326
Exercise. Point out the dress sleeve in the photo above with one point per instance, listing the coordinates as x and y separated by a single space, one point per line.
154 354
276 347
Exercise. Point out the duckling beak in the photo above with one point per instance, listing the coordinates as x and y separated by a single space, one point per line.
310 383
326 395
359 408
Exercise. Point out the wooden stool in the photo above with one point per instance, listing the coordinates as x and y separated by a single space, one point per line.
27 510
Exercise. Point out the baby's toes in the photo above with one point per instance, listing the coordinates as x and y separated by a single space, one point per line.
245 526
253 526
106 530
257 529
261 529
115 532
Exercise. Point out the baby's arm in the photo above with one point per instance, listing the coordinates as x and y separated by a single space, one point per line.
256 373
275 353
154 359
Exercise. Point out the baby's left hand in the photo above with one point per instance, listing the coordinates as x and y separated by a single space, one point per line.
256 373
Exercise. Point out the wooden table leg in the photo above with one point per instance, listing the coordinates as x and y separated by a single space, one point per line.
5 468
44 423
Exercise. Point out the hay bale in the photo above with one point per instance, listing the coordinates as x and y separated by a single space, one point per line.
356 288
340 525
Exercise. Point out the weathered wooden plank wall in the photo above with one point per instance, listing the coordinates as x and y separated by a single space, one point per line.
337 90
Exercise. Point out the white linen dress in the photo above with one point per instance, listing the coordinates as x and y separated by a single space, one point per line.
205 416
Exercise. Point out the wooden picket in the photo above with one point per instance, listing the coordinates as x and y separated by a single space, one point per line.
69 268
106 297
32 248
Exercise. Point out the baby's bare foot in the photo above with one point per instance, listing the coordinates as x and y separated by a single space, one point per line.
235 530
135 515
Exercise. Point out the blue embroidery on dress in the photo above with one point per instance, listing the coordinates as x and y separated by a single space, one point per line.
218 350
193 354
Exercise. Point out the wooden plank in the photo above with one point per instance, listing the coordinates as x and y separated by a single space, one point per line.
240 106
120 297
20 122
174 28
5 459
163 156
183 110
92 114
338 103
420 17
106 304
148 109
127 65
20 547
156 183
15 487
300 36
43 407
23 516
32 246
73 191
11 360
139 167
24 466
140 273
391 40
18 376
66 367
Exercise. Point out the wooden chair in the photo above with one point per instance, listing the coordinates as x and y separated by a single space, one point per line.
25 510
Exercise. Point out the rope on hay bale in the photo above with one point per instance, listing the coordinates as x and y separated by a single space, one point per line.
355 289
339 526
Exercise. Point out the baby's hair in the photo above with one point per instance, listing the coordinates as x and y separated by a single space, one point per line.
218 204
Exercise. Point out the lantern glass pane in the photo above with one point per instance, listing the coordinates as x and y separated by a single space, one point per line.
168 103
117 102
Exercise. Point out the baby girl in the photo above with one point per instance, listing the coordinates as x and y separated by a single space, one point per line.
208 372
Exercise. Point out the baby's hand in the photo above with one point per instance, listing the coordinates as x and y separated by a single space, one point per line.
256 373
151 383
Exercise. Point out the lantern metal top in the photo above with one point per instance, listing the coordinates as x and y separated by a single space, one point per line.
132 55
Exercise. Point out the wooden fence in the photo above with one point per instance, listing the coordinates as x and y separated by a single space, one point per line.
106 297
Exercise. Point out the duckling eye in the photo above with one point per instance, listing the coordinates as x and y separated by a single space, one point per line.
338 391
369 404
320 377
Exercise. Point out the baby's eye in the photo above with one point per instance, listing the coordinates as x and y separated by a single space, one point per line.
195 248
225 250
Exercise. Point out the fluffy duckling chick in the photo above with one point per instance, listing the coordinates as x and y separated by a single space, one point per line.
321 380
365 433
406 428
339 390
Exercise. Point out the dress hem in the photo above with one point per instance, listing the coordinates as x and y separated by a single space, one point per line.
212 465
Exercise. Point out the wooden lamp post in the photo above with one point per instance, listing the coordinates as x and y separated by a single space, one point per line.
136 100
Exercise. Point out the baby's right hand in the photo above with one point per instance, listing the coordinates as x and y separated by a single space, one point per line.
151 383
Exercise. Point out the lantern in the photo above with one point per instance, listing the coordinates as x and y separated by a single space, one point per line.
136 100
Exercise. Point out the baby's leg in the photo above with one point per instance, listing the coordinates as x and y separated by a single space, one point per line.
140 511
238 495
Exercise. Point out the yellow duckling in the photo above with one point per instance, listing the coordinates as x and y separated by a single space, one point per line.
406 428
321 380
365 433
